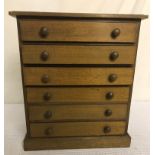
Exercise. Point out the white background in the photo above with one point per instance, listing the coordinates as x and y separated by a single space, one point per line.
13 84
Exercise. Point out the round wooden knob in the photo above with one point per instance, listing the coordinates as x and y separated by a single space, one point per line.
109 95
47 96
44 55
112 77
44 32
115 33
107 129
108 112
47 114
45 79
48 131
114 55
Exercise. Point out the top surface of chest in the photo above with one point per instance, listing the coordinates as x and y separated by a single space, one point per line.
76 15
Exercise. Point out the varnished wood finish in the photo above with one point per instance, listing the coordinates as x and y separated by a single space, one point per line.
77 112
77 15
77 76
81 54
76 129
76 142
80 31
74 95
77 72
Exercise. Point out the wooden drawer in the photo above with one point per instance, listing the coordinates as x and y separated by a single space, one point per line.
71 95
76 30
77 129
82 54
77 76
77 112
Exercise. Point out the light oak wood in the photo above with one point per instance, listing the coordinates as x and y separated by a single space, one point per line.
74 95
77 112
77 30
78 54
76 129
77 76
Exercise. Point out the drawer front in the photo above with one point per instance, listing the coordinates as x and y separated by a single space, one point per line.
77 76
73 54
77 129
76 30
84 95
77 112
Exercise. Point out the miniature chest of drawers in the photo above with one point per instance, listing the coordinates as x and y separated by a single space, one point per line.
77 74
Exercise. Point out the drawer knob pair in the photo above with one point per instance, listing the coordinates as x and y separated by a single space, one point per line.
44 55
112 77
107 129
115 33
114 55
109 95
44 32
47 114
48 131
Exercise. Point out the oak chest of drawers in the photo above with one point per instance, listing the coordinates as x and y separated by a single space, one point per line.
77 73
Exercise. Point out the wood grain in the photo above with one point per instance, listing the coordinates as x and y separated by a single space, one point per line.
65 106
77 112
74 54
76 30
76 129
73 95
76 142
77 75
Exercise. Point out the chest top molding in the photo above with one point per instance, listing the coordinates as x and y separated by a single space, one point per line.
77 15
